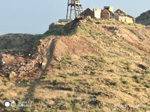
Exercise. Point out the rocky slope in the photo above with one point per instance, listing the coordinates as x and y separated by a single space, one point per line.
86 65
144 18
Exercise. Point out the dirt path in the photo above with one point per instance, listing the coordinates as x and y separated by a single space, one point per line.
30 92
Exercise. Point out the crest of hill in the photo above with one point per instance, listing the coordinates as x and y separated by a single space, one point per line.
144 18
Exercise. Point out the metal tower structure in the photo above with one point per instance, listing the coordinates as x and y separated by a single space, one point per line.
73 5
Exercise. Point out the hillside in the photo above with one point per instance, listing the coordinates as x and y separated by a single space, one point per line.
87 65
144 18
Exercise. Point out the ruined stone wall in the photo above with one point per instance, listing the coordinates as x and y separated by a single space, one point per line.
97 13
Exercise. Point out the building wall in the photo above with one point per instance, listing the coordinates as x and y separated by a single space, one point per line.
125 19
97 13
64 20
105 14
87 12
116 17
122 18
109 8
112 16
129 20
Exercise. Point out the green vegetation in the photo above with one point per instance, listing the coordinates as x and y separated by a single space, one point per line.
144 18
66 59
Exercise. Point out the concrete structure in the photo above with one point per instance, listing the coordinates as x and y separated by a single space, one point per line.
107 14
87 12
110 8
97 12
124 17
64 20
73 5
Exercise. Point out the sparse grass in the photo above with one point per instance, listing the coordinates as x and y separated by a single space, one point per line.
112 83
70 95
102 60
111 70
63 76
147 85
148 71
97 80
137 89
124 82
66 59
92 73
86 57
94 57
73 74
55 82
75 107
35 91
65 88
73 82
136 78
91 83
127 65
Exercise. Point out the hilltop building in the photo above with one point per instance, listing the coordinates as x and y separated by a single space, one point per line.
97 12
108 13
122 16
87 12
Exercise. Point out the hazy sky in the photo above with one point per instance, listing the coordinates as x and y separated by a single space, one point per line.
34 16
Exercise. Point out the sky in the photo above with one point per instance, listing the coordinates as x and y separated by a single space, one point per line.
35 16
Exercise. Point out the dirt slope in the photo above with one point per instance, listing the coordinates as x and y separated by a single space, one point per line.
89 66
